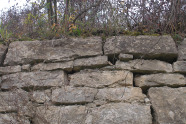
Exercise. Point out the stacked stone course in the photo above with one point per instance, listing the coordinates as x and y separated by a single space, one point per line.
126 80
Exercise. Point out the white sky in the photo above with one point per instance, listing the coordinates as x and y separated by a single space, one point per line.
5 4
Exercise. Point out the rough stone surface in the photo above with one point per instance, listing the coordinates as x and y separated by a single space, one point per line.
89 81
15 100
67 66
102 78
61 115
54 50
76 65
152 47
109 68
125 57
41 96
126 94
10 69
180 67
73 95
3 50
182 51
145 66
120 113
169 105
94 62
13 119
26 67
33 79
153 80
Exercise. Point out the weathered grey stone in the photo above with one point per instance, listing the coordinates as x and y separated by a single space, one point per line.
182 51
153 80
60 115
120 113
101 78
147 101
126 94
0 81
3 51
152 47
73 95
10 69
93 62
125 57
13 119
15 100
41 96
67 66
169 105
180 67
26 67
52 50
37 79
109 68
145 66
78 64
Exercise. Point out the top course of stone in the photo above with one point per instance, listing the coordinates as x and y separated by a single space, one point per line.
151 47
52 50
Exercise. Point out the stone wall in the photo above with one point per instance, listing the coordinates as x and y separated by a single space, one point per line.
125 80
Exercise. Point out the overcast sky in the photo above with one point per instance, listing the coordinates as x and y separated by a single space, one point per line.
5 4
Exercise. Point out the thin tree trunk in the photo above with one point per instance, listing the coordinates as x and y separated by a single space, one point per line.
66 15
50 12
143 11
55 11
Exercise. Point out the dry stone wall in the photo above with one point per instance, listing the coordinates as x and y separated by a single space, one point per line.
125 80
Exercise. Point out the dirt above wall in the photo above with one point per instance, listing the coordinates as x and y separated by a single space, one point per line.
125 80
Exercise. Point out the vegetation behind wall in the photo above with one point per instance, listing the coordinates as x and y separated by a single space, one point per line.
48 19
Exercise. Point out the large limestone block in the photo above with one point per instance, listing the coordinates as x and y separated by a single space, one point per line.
76 65
182 51
154 80
152 47
15 101
3 51
145 66
10 69
101 78
180 67
52 50
125 94
60 115
73 95
13 119
39 79
169 105
67 66
93 62
120 113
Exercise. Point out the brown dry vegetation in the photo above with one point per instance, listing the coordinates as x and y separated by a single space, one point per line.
48 19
